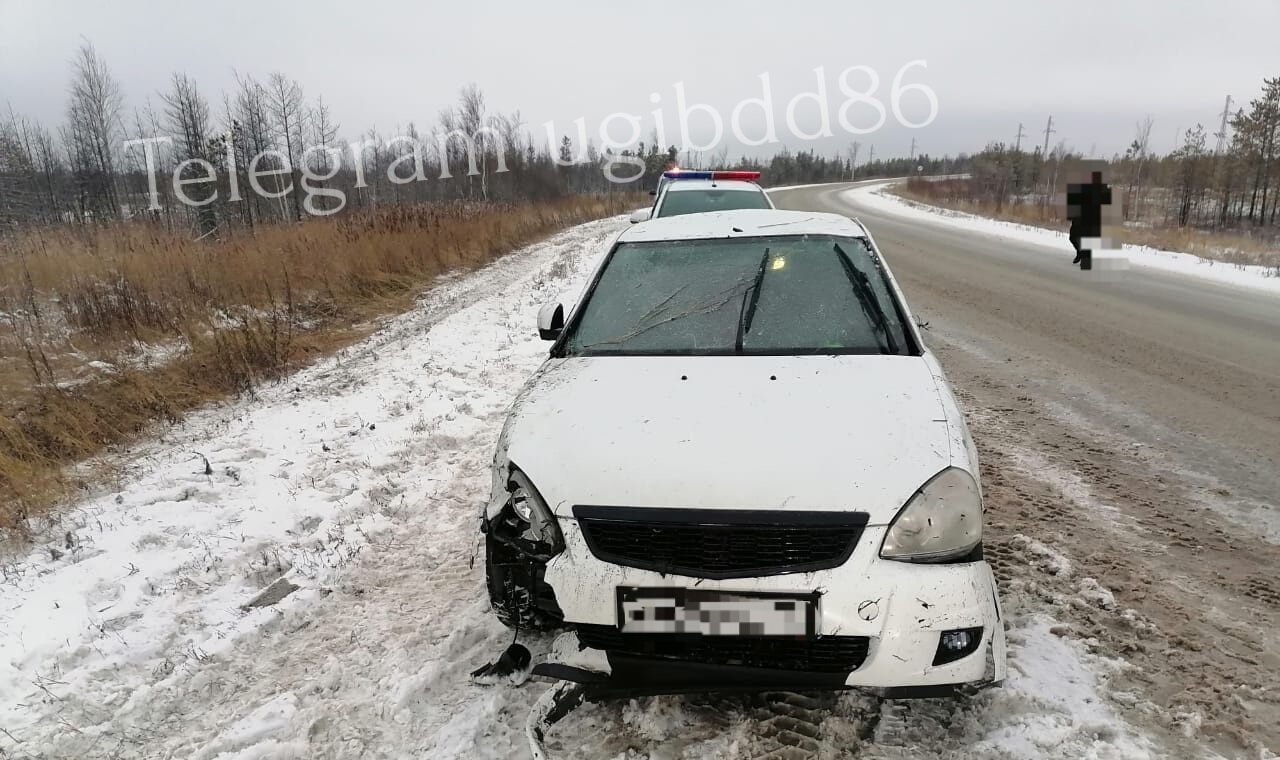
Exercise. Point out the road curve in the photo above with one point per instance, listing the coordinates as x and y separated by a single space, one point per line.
1133 425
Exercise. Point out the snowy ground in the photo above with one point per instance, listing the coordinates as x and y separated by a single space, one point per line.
359 480
873 196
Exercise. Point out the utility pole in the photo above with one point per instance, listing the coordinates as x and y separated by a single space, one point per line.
913 149
1017 144
853 159
872 158
1044 156
1221 134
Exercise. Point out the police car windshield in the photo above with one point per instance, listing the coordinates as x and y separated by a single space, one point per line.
679 202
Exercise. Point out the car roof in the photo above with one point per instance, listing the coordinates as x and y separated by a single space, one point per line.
676 186
742 223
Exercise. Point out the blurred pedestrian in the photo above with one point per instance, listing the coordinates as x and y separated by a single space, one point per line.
1085 202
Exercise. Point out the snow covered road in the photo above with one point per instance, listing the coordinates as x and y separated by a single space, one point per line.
359 481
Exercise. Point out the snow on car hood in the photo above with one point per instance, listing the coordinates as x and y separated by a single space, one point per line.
858 433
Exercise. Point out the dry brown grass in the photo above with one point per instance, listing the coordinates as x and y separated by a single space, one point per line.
1225 246
76 305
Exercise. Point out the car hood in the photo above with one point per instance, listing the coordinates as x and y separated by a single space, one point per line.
848 433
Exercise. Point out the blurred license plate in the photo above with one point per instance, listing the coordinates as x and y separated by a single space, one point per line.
716 613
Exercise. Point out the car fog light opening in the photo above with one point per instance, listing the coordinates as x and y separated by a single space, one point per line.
956 644
941 522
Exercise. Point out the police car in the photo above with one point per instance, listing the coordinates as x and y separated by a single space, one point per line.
694 192
741 468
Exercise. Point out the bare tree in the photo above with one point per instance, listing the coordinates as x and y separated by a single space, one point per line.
470 119
188 114
324 132
17 201
370 164
250 129
414 162
289 111
509 129
1137 152
448 149
32 171
92 132
146 124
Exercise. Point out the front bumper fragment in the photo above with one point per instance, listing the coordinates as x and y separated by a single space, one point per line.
899 609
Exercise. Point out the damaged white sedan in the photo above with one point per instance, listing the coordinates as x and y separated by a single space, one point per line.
740 468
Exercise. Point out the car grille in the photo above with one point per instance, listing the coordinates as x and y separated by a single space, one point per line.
720 543
827 654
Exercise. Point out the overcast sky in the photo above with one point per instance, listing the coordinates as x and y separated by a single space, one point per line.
1097 67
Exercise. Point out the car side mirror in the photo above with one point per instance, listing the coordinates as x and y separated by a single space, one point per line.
640 216
550 321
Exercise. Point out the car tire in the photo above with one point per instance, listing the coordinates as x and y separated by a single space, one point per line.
520 598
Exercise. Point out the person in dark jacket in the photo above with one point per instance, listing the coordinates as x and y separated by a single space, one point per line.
1084 209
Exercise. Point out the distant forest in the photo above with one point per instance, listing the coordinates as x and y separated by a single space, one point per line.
79 171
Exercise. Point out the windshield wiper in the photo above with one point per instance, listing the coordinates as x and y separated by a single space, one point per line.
867 298
711 304
748 310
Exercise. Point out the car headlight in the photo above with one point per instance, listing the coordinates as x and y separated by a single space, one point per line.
940 522
529 506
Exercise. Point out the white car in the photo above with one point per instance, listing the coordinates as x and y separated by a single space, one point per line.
742 468
696 192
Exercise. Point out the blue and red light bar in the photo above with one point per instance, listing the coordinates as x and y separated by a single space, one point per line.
680 174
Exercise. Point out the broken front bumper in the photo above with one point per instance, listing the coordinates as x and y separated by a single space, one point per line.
885 618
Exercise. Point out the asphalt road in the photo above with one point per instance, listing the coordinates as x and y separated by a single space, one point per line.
1133 426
